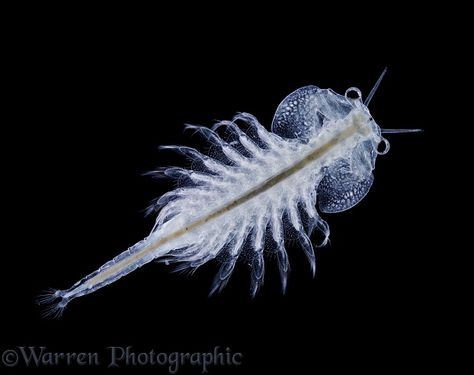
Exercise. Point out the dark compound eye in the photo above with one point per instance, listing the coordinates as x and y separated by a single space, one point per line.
353 93
383 147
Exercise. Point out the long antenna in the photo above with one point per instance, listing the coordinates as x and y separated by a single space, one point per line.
395 131
374 89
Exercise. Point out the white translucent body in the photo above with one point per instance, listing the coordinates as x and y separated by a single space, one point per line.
258 186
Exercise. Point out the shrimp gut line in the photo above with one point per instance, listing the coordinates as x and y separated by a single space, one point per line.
355 127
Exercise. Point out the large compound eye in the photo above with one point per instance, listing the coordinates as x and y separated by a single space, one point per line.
341 189
305 111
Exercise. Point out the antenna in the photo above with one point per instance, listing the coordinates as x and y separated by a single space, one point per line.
396 131
374 89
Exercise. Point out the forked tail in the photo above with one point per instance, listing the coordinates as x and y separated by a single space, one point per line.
55 301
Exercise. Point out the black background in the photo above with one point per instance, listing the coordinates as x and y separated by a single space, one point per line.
90 102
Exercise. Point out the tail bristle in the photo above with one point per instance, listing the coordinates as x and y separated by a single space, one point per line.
53 303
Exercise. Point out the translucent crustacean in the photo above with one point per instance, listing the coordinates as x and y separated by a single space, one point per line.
321 150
